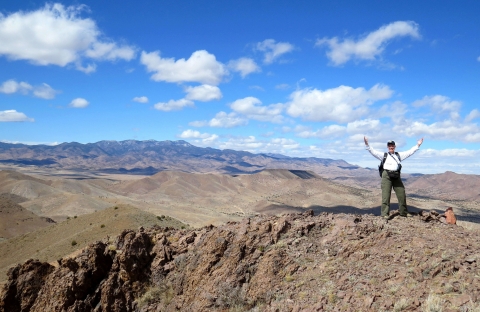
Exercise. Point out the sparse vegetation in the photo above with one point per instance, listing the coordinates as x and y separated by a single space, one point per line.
161 293
433 304
102 226
289 278
401 305
74 242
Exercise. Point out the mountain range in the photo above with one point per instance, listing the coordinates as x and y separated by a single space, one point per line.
150 157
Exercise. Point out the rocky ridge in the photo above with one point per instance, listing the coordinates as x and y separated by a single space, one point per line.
293 262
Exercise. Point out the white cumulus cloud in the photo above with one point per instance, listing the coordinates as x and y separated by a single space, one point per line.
221 120
273 50
251 107
13 116
57 35
453 152
173 105
364 126
370 46
201 67
79 103
474 114
443 130
342 104
193 134
140 99
440 104
245 66
203 93
11 86
328 132
254 145
43 91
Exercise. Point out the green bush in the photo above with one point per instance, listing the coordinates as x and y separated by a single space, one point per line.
74 242
102 226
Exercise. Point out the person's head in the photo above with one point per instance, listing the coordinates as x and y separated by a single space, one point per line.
391 146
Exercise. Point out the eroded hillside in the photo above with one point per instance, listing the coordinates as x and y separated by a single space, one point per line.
328 262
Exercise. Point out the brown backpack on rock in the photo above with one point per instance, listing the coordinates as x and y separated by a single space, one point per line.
450 216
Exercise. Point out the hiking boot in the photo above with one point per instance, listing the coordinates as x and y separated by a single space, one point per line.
408 215
386 218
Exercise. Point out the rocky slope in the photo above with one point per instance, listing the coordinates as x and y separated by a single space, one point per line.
328 262
60 239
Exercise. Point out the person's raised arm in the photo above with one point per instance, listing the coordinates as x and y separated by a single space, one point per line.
365 140
419 142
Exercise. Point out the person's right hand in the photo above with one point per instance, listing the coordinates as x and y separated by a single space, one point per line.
365 140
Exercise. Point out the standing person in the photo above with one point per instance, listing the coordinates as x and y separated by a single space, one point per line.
391 175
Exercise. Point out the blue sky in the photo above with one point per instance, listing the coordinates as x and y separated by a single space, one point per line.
300 78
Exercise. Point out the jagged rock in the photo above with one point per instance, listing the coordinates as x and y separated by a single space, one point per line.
24 282
72 282
294 262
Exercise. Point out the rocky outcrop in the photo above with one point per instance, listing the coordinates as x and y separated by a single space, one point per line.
287 263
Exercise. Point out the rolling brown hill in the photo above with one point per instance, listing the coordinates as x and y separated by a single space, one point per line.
57 240
447 186
201 199
16 220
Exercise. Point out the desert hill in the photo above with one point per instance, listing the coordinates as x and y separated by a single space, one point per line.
201 199
294 262
55 241
16 220
448 185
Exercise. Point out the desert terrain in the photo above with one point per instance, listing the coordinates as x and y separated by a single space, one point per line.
294 262
54 214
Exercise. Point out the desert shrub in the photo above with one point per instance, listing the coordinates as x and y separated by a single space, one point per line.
74 242
289 278
163 293
159 218
115 208
102 226
400 305
74 217
232 298
433 304
470 307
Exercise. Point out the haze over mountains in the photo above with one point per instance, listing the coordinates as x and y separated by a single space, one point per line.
148 157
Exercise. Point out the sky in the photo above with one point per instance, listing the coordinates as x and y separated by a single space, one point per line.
298 78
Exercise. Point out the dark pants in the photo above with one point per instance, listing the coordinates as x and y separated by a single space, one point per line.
397 185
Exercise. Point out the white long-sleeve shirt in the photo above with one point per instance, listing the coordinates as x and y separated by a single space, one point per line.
392 161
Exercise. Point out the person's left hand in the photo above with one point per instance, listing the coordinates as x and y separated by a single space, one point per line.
419 142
